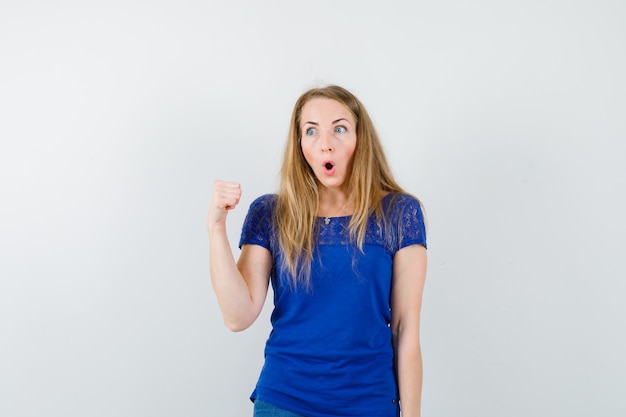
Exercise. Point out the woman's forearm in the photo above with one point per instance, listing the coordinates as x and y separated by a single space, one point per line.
409 368
233 294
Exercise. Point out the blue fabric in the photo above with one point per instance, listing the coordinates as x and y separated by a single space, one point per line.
330 351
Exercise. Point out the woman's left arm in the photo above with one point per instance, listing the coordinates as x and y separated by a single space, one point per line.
409 274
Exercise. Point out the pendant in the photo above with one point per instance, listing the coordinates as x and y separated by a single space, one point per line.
326 220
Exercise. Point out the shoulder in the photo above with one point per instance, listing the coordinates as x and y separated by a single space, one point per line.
397 203
264 203
257 227
404 219
265 199
261 210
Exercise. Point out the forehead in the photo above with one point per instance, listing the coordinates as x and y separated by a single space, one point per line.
321 109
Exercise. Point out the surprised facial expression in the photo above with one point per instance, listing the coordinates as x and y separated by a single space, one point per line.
328 132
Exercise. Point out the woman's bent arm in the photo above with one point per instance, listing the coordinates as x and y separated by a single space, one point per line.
240 287
409 273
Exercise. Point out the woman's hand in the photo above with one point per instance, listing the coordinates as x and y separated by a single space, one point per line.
226 196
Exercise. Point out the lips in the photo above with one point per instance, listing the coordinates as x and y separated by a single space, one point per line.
329 167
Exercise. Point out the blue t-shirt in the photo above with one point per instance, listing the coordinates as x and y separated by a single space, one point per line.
330 350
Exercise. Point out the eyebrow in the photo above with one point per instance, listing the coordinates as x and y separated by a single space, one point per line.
317 124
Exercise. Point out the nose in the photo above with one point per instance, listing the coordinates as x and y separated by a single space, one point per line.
325 142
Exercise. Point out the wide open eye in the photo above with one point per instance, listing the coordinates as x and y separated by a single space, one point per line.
340 129
310 131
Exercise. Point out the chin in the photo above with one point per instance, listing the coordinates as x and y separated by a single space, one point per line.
332 184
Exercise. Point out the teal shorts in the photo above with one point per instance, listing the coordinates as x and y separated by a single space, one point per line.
263 409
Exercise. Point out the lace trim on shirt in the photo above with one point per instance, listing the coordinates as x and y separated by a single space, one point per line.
402 226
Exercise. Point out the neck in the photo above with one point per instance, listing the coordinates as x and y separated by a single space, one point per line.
333 205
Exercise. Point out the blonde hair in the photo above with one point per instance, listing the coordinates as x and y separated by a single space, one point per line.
298 198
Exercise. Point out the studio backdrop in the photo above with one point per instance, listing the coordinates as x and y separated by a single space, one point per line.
506 118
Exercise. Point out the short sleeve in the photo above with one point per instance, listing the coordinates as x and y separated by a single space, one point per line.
257 227
412 227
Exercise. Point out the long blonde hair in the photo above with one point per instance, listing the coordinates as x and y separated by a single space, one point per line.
298 198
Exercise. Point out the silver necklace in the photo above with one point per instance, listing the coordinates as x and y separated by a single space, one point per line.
328 218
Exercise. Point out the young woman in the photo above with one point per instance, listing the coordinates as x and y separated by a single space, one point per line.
344 248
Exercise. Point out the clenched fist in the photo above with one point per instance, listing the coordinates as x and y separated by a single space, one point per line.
226 196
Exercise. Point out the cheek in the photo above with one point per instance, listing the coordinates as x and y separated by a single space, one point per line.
307 155
350 152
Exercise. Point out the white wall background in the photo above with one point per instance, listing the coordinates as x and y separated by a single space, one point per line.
507 118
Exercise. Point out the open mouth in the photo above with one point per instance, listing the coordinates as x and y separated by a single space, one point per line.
329 167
